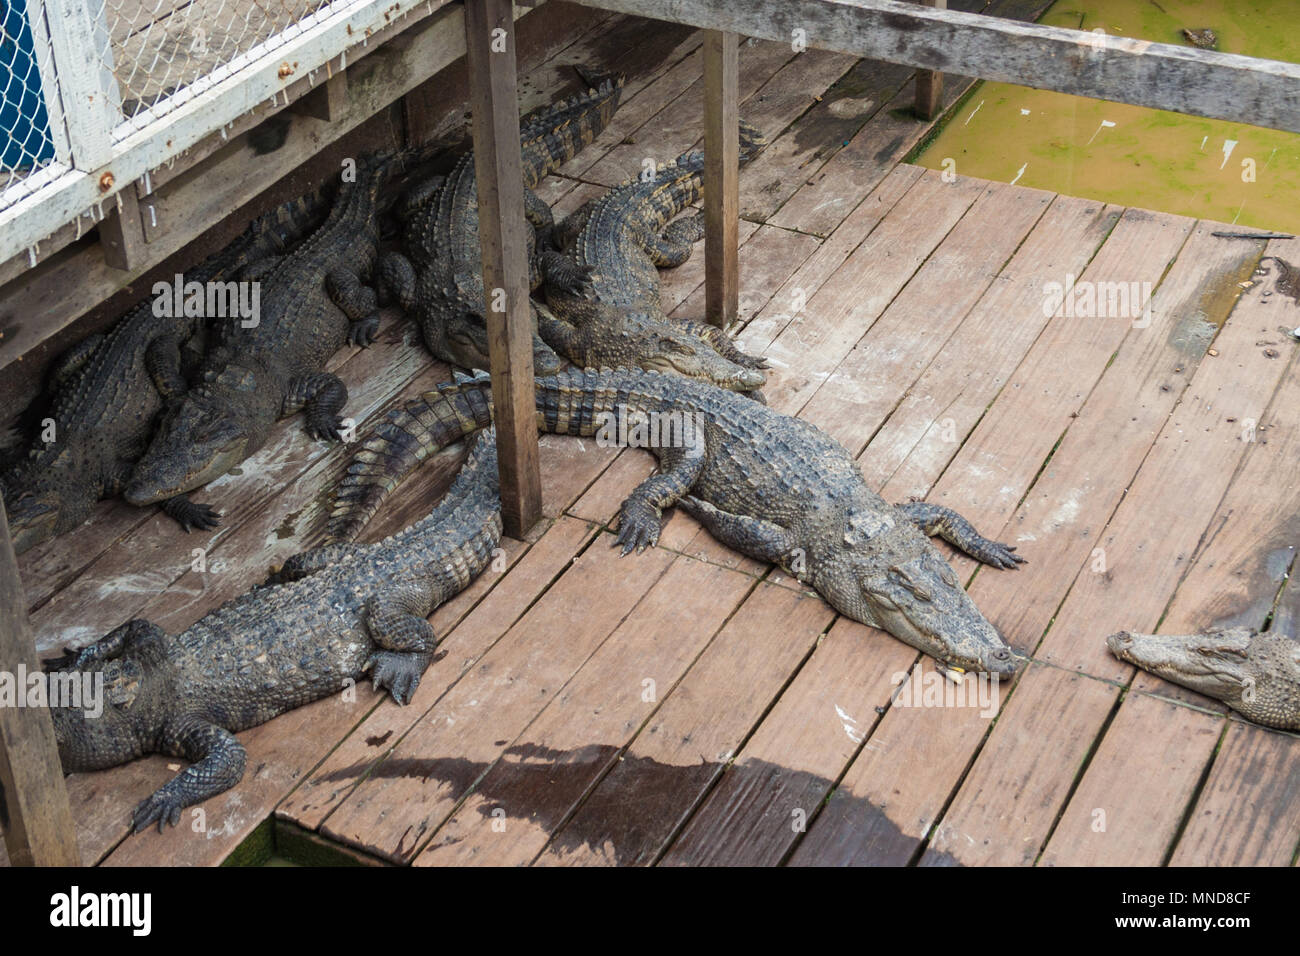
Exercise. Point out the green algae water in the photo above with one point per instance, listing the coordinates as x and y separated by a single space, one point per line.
1210 169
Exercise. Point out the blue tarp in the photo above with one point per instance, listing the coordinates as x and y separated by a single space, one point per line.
24 123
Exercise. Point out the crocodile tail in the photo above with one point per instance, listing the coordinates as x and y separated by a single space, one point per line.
406 437
552 136
681 183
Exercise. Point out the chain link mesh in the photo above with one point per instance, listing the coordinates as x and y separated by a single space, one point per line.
162 46
149 50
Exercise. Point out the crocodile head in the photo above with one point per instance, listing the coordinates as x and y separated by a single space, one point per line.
659 345
199 439
886 574
1256 674
464 342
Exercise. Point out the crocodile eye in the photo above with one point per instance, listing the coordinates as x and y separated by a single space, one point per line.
946 574
882 599
669 345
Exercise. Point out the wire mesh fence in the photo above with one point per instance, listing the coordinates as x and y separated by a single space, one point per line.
160 47
138 53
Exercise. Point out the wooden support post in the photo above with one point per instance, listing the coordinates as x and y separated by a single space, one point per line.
490 46
33 799
929 83
327 102
721 177
122 233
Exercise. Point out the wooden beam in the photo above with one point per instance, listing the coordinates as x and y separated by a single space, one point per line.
33 799
721 177
494 103
1242 89
122 233
929 83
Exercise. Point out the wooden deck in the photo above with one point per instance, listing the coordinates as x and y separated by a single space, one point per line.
693 706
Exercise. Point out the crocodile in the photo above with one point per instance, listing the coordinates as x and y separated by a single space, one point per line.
439 278
620 241
312 303
332 615
1256 673
773 487
107 392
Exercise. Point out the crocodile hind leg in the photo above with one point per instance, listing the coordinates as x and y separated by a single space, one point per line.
760 539
936 520
320 395
395 279
217 764
725 345
673 246
539 216
306 563
397 621
640 518
358 302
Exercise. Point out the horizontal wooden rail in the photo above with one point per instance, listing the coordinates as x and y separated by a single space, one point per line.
1200 82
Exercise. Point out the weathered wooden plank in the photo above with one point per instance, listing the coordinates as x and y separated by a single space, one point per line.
835 318
554 763
865 387
836 116
1120 69
639 805
909 782
466 642
763 328
785 770
721 178
498 170
1009 800
678 124
411 792
37 821
1129 804
1078 490
768 257
1148 545
925 431
1062 517
1245 814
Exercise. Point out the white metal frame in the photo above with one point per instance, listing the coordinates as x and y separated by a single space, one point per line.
98 140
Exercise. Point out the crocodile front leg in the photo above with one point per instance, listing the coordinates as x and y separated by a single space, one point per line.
936 520
640 519
137 634
397 621
760 539
217 764
191 514
563 273
320 395
358 302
